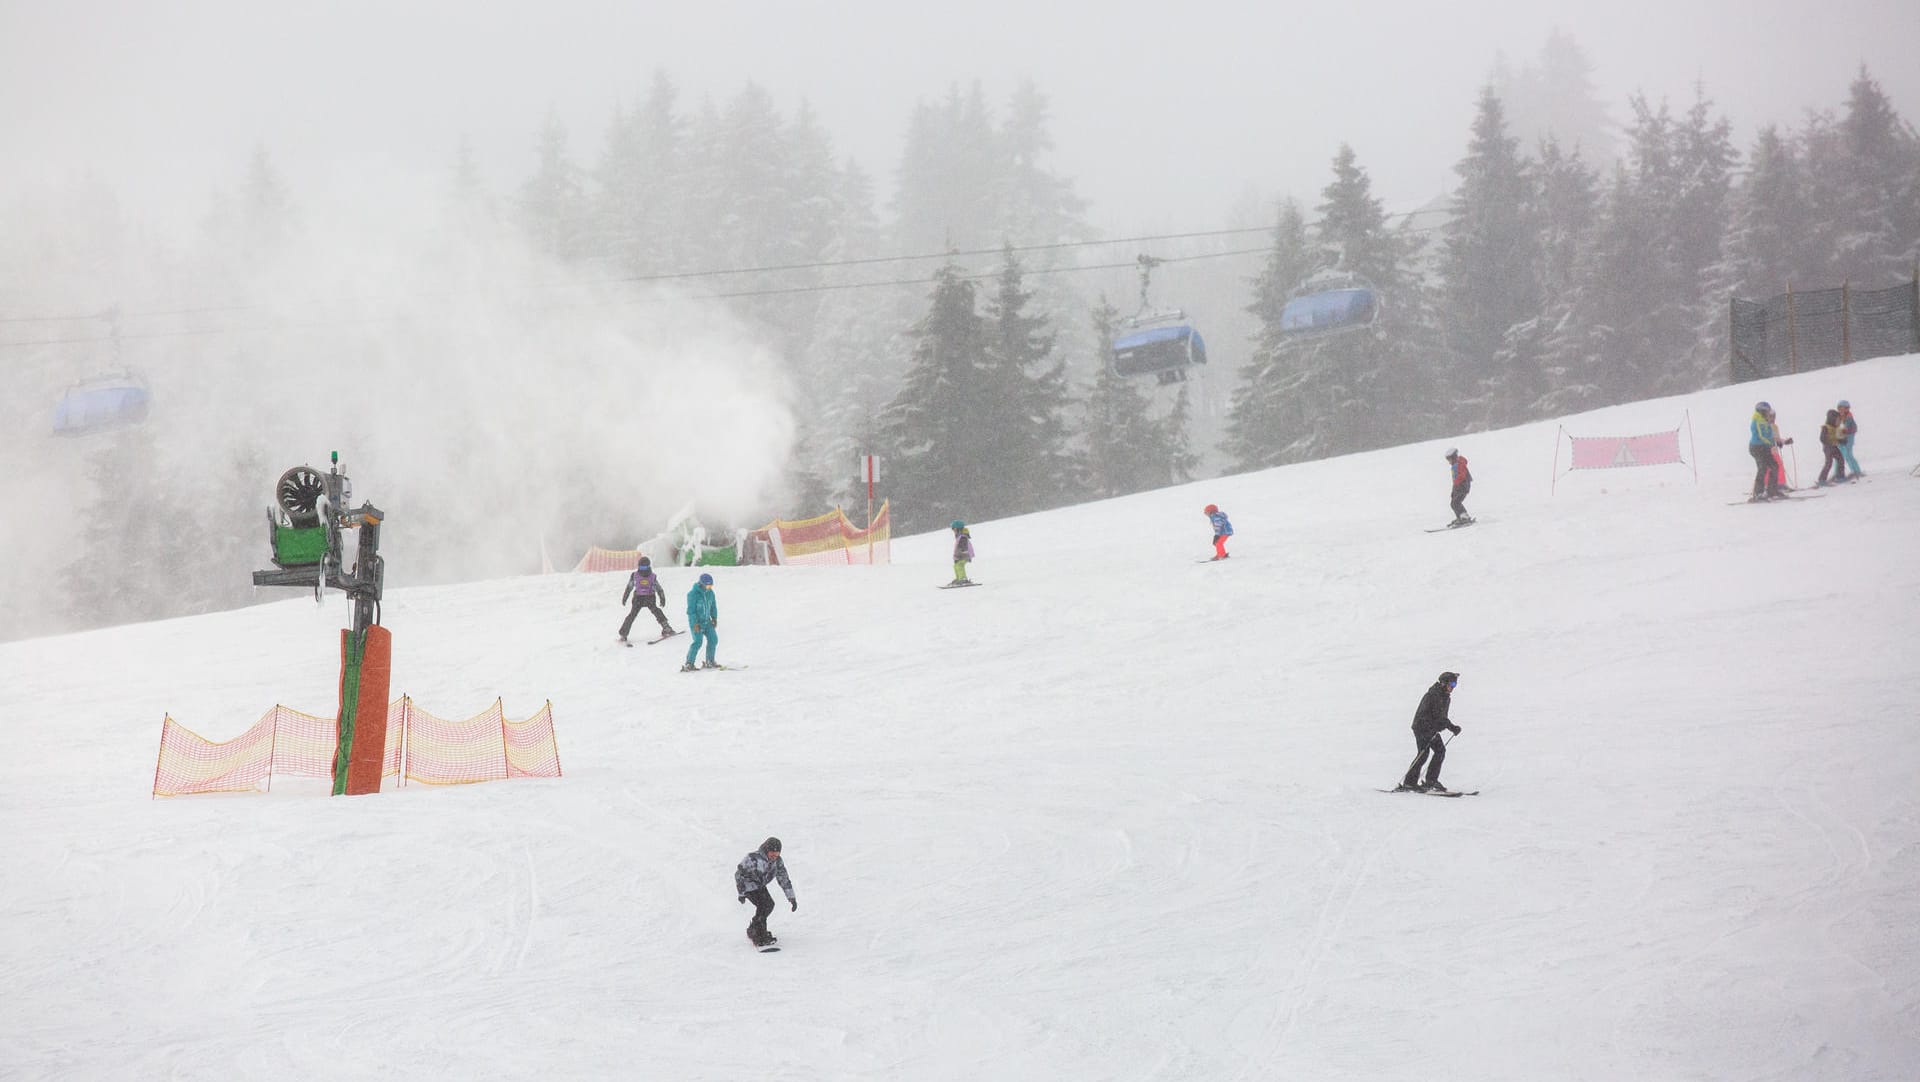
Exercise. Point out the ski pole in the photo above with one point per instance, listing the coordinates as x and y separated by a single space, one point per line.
1796 464
1444 741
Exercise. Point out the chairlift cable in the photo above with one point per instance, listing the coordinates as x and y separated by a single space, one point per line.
730 295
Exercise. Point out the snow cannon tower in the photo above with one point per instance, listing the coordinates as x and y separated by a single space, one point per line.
304 531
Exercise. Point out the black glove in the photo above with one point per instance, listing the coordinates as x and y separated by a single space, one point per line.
1455 728
743 899
794 904
1786 441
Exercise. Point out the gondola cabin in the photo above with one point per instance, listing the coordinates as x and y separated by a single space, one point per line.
101 405
1330 311
1164 350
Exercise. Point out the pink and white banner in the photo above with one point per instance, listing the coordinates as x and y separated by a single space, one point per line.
1609 452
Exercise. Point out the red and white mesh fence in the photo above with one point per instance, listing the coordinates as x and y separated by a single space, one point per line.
421 747
1618 452
831 538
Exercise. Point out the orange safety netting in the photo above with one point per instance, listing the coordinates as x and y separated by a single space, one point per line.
832 538
599 559
288 743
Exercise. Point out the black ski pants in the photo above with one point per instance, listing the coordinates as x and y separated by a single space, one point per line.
1460 498
762 907
644 601
1763 468
1833 460
1427 743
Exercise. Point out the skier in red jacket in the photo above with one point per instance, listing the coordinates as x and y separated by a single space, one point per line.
1462 484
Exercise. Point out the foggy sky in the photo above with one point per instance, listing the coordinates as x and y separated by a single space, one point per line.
1164 114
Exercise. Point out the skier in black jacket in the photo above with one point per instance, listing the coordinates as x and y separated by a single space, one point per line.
1428 721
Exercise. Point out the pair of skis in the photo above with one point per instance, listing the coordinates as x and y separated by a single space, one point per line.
650 642
1430 792
1455 524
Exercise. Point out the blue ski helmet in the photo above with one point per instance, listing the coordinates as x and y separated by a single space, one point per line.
958 525
706 579
1845 405
1762 407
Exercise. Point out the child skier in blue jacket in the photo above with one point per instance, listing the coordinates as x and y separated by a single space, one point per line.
1222 529
703 619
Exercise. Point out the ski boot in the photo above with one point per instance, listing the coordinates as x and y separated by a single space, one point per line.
688 667
708 665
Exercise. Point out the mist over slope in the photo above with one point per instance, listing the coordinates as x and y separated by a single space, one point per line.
1108 816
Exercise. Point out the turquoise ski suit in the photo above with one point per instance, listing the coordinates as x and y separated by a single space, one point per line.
703 618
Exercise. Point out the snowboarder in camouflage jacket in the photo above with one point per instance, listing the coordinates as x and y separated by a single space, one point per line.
750 879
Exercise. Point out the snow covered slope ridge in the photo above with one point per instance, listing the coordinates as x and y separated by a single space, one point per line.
1111 816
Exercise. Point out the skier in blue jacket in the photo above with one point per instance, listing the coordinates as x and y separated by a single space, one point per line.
703 619
1763 435
1222 529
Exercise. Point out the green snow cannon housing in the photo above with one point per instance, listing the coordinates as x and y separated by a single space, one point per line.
301 540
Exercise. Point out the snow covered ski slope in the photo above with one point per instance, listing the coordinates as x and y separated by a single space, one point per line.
1114 818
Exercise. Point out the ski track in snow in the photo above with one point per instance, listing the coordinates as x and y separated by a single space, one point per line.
1112 819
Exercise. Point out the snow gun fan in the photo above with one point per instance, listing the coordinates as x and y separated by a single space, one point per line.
1158 343
1328 304
304 533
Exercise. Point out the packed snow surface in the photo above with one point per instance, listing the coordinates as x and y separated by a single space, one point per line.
1110 816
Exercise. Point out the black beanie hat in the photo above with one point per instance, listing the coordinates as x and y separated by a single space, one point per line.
771 845
1449 677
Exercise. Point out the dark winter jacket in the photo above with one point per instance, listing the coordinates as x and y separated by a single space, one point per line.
1833 433
1431 717
756 870
642 582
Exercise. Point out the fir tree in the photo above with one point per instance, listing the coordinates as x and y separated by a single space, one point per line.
1876 219
552 202
128 567
1256 436
1123 449
1373 388
1023 399
1554 98
1489 263
932 429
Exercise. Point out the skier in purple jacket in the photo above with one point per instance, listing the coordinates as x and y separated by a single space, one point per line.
645 589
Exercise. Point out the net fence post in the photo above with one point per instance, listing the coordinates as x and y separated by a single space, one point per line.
1846 322
1554 483
1913 306
1693 452
1793 335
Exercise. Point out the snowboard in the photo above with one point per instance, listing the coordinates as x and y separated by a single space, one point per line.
958 585
1454 526
662 638
768 949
